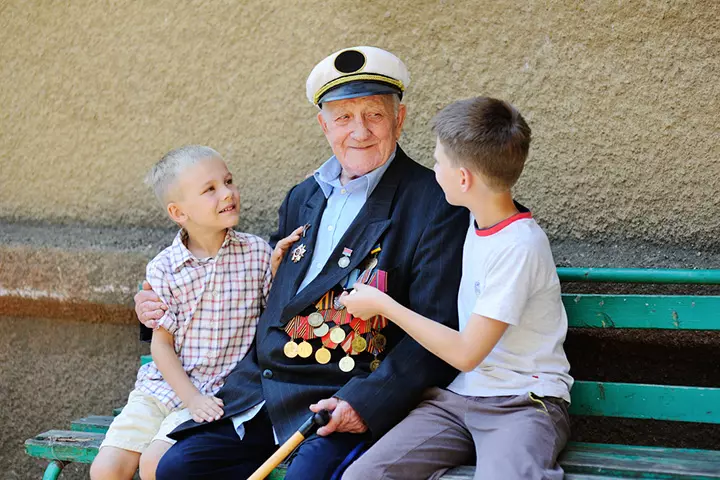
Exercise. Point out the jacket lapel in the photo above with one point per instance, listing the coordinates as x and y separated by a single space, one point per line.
362 235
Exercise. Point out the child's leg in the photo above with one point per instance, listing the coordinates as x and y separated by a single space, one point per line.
151 457
518 437
129 434
432 439
114 463
161 443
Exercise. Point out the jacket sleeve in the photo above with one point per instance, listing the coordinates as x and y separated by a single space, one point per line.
385 396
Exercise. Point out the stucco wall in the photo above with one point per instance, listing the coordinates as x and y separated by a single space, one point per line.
622 97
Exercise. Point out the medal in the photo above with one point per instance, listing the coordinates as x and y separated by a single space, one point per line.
337 305
322 355
305 349
298 253
347 364
291 349
345 259
322 330
380 341
337 335
359 344
374 365
316 319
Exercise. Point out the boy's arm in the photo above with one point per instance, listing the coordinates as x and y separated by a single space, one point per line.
463 350
202 407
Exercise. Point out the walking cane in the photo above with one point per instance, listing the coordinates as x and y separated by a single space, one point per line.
319 419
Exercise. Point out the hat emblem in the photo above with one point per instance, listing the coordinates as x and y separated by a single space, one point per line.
350 61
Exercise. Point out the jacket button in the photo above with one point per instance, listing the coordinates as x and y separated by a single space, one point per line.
267 373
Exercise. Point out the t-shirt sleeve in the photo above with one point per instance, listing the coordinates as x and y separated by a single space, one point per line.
508 284
159 281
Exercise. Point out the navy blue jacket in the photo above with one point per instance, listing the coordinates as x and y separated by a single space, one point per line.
421 237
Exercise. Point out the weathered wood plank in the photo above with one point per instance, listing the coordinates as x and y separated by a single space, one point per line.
68 446
92 423
640 462
657 402
639 275
643 311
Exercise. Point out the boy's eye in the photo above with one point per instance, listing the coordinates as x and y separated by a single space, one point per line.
229 181
209 189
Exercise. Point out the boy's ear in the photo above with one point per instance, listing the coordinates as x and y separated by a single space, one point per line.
466 179
176 213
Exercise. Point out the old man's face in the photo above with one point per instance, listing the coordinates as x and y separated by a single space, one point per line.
362 132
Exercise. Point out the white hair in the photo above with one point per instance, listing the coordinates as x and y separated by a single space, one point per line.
163 175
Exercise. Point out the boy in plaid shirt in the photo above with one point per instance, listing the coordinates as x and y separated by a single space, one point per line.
215 282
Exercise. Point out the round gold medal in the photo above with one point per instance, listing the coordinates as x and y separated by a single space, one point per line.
305 349
337 335
374 365
380 341
322 355
315 319
322 330
291 349
347 364
359 344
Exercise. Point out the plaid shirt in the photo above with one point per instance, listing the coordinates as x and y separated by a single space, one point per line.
213 308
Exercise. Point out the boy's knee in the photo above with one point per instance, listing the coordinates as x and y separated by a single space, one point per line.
104 468
148 467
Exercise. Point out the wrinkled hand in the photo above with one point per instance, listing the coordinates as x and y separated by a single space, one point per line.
364 301
205 408
282 247
148 306
344 418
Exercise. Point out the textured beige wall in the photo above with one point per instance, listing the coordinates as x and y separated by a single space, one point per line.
623 98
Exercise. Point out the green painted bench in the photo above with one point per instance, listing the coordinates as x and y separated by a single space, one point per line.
581 461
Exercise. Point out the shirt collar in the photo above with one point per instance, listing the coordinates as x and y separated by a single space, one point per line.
328 177
181 254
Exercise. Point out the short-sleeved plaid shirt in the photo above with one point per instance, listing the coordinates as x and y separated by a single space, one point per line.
213 308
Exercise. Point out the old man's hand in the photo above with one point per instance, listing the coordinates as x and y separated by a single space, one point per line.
148 306
344 418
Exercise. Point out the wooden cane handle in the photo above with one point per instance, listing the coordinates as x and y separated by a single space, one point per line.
277 457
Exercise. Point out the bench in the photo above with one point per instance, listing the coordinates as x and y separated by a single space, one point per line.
581 461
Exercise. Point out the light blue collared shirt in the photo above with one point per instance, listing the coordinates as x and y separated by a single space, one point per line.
344 202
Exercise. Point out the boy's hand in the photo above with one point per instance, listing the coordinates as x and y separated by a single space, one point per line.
205 408
148 306
364 301
282 247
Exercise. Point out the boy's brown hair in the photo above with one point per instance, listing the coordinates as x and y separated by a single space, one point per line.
486 135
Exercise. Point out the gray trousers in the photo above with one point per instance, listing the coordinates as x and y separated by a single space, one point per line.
509 438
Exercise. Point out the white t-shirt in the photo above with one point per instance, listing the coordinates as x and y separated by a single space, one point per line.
509 275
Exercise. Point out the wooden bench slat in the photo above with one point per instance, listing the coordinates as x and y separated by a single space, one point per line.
640 275
656 402
92 423
643 311
145 359
640 462
65 445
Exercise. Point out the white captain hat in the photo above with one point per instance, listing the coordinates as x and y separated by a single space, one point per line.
357 72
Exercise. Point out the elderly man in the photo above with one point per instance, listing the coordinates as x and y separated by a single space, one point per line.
371 214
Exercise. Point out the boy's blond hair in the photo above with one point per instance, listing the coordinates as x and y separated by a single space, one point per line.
163 175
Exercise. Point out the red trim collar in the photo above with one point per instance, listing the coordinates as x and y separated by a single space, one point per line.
486 232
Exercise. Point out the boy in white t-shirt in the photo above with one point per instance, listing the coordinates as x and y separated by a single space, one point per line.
507 409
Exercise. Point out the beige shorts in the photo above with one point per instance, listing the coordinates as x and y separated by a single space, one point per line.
142 421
